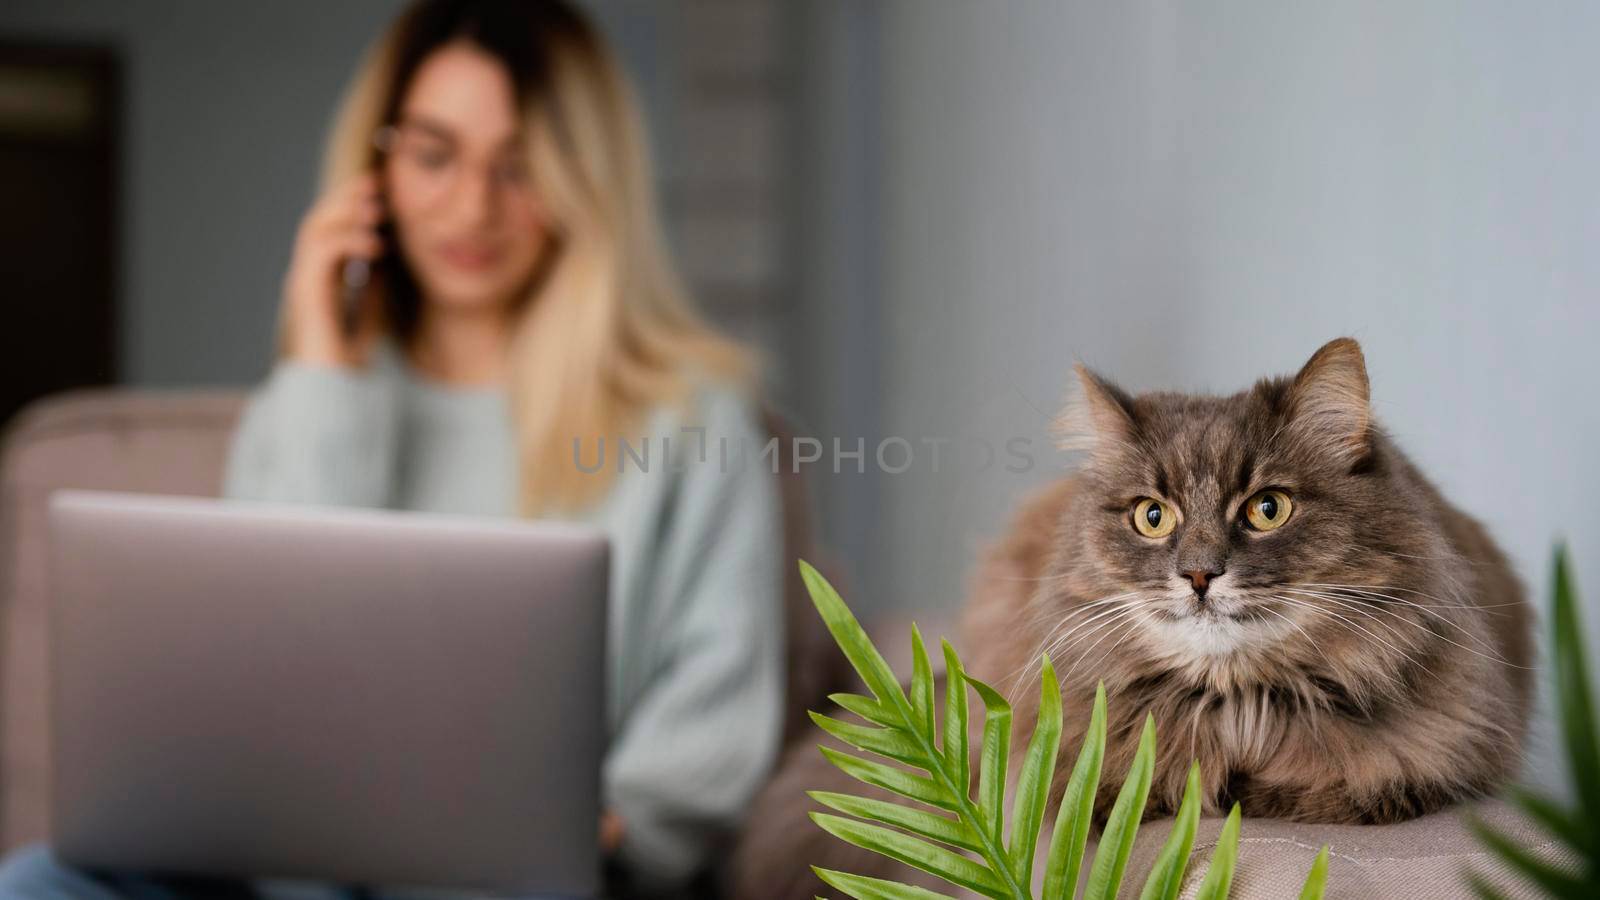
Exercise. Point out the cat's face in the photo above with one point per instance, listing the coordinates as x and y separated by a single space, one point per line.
1228 524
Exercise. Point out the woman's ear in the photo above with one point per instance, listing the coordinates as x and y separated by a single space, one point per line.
1329 402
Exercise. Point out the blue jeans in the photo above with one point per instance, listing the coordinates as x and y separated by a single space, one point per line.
34 873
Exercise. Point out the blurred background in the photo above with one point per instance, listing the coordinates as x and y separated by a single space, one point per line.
925 212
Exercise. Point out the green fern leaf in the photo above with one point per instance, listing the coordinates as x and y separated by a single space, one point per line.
1219 875
1038 768
921 683
945 786
1554 881
954 747
1482 889
852 639
932 826
883 741
1166 876
946 864
992 757
1075 818
867 708
1576 705
1317 880
1578 828
1116 841
1557 820
863 888
890 778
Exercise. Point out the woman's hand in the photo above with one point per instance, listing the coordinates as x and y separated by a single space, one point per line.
611 829
342 225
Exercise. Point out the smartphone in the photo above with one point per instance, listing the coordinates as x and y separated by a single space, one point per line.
355 276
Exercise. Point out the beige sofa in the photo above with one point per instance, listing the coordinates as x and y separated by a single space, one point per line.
175 442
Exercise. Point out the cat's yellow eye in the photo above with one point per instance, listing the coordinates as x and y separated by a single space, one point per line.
1153 519
1268 510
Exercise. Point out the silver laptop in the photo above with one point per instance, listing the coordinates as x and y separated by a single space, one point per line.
365 697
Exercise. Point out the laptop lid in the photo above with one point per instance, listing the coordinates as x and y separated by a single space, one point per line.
359 696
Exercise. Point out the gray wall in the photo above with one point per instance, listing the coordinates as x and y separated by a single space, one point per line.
838 246
1193 195
227 105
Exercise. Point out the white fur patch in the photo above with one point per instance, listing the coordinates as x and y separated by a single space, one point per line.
1209 632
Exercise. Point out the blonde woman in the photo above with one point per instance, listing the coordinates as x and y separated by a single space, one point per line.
488 167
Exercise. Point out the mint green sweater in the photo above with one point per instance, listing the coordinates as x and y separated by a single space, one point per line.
695 644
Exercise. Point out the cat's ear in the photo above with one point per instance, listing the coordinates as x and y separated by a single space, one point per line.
1330 403
1098 415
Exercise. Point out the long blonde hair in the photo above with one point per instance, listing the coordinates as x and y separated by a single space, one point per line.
608 332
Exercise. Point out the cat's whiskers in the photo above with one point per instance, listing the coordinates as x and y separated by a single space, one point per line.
1349 602
1056 645
1059 576
1372 597
1455 558
1382 587
1368 609
1129 625
1066 619
1131 628
1437 604
1368 614
1055 649
1092 636
1053 610
1365 596
1053 638
1049 609
1297 627
1084 632
1404 654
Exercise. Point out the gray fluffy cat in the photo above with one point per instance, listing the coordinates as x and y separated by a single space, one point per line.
1270 577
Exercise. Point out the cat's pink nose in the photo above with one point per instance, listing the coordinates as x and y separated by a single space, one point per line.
1200 578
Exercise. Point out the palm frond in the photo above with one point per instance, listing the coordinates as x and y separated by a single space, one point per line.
1553 880
1575 704
875 888
1075 817
1038 768
1116 839
1578 829
1219 877
1166 876
910 731
963 839
1317 881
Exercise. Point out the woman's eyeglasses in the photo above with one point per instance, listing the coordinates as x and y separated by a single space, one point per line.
430 164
